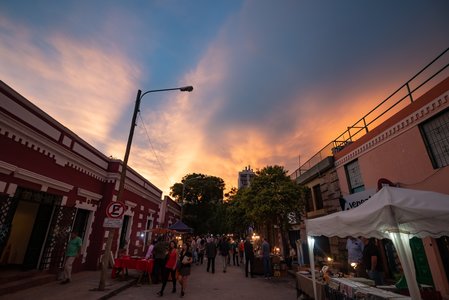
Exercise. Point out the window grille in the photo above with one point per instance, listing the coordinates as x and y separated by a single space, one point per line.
354 176
435 133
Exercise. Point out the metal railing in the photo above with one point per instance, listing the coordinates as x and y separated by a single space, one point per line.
412 89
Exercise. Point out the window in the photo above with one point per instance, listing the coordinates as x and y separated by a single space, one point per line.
309 201
124 234
435 133
80 224
318 197
148 233
354 176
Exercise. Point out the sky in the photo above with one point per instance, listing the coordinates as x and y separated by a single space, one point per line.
274 81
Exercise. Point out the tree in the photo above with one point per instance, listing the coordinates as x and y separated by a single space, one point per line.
237 220
271 198
201 196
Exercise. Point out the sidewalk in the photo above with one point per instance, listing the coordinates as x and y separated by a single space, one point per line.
82 287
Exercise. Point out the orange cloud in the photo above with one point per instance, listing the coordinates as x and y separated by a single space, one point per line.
80 84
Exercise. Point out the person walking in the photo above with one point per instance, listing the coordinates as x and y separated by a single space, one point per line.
185 258
201 248
249 257
241 250
223 247
235 253
266 259
72 252
170 268
211 253
194 250
160 250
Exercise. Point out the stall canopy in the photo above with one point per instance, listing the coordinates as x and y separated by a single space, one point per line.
395 213
181 227
160 230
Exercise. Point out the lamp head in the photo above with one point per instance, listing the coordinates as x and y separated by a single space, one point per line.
186 88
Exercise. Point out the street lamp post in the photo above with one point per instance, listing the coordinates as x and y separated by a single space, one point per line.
182 195
111 232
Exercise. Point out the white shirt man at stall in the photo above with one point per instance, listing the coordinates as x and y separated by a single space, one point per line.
355 256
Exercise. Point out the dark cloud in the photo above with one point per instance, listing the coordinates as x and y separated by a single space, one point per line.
278 54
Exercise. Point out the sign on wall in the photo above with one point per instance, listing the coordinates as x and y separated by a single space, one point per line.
354 200
115 210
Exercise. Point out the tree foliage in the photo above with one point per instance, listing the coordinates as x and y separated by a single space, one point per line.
271 200
272 196
201 197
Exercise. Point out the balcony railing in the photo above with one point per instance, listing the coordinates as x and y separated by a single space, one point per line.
428 76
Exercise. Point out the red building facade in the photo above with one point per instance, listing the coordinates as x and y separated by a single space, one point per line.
52 182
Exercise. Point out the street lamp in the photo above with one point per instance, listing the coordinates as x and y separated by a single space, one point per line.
131 131
183 189
139 97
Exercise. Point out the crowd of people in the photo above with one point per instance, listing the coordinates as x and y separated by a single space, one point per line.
172 262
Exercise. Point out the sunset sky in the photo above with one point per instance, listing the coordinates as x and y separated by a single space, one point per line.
272 79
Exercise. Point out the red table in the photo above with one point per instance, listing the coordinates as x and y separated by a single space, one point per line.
140 264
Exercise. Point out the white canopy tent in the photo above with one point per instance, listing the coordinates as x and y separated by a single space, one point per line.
395 213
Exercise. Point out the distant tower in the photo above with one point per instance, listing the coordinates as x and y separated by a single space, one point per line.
245 177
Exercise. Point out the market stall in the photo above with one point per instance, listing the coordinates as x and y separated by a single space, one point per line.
394 213
180 227
136 263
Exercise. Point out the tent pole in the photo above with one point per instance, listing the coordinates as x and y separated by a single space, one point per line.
311 243
402 244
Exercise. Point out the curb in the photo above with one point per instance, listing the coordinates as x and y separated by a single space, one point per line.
119 290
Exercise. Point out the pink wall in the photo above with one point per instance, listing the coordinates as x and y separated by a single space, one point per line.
403 160
395 149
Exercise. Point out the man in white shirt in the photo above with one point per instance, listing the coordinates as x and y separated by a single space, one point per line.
150 250
355 255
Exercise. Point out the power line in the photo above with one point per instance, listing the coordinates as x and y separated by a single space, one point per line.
152 148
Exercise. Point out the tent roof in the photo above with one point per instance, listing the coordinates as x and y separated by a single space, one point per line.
419 213
159 230
180 226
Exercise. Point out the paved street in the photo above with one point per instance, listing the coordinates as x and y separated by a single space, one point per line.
202 285
230 285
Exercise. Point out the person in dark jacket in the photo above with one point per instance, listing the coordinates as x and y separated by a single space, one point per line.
160 252
211 253
372 261
249 257
223 247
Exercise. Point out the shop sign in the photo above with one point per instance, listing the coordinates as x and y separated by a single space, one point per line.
112 223
354 200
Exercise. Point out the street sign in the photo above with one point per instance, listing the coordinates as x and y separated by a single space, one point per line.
112 223
115 210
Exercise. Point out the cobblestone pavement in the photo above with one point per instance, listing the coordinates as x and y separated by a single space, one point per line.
230 285
201 285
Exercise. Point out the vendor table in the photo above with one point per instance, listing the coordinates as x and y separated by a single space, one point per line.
358 288
304 285
123 263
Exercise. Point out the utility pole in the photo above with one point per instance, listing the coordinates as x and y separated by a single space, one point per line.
111 231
